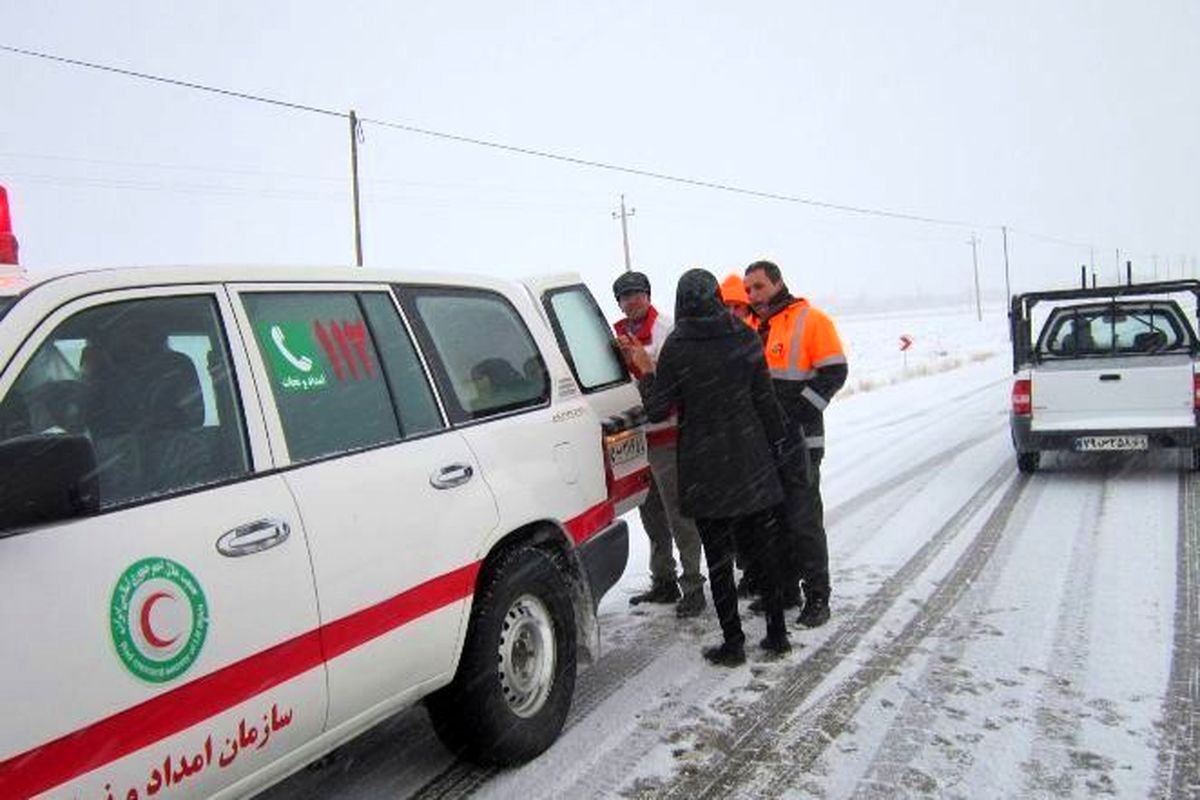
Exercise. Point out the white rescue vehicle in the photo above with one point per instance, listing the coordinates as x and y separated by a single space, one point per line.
246 513
1112 369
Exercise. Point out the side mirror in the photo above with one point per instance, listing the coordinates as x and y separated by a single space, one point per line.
46 478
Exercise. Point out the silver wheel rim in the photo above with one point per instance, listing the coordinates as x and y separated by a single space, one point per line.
527 655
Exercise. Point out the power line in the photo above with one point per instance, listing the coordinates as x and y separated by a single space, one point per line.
526 151
662 176
174 82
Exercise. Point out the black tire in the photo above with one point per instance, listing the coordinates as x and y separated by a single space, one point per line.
506 716
1028 462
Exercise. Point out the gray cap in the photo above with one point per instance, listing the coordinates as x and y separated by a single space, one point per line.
630 283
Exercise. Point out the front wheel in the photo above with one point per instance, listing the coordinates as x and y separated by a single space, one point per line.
1028 462
510 697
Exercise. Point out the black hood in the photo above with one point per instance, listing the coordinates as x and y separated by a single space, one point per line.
698 295
699 311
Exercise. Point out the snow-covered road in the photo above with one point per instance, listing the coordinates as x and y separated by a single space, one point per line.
993 635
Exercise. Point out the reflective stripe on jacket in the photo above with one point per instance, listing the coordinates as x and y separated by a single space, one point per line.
807 363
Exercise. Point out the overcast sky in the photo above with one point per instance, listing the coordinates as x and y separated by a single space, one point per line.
1074 120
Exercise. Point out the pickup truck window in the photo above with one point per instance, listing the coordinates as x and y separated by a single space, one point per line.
1114 329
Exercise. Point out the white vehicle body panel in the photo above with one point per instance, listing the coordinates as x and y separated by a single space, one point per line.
1113 394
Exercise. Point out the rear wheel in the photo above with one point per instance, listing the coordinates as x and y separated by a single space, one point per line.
516 677
1028 462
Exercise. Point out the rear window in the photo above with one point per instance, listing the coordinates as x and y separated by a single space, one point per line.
1115 329
5 304
585 338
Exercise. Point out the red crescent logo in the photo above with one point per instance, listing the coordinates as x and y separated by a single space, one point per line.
148 632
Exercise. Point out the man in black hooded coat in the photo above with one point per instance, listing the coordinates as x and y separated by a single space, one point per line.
732 432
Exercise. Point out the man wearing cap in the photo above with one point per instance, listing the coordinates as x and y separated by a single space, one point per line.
808 367
660 513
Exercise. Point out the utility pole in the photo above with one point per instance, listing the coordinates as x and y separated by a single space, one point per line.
975 261
355 133
1007 285
1118 266
1154 258
625 231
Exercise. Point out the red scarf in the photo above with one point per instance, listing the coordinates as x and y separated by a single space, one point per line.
640 332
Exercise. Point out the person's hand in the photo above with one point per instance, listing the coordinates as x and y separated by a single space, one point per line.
636 357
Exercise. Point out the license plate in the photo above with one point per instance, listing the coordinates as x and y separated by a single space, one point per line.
1088 444
625 447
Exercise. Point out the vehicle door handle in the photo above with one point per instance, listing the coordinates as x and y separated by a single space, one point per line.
253 537
1110 376
451 476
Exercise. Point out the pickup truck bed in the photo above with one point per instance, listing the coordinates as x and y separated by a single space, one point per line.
1111 369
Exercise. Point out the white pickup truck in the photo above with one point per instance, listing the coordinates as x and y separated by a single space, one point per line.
1112 369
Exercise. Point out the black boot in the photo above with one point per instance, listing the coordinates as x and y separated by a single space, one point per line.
726 654
692 604
776 645
816 610
659 592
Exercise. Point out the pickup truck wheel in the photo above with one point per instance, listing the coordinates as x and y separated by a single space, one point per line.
1028 462
510 697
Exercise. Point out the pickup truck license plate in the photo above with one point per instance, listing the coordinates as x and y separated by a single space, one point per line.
626 447
1087 444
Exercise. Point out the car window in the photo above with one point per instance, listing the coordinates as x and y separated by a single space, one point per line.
148 383
585 338
5 304
1109 330
331 383
490 361
405 374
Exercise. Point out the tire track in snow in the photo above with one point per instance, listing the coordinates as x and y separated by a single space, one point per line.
1054 757
808 736
952 401
912 730
1179 751
754 734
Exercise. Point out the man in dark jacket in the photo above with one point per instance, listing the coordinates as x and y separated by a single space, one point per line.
808 367
731 431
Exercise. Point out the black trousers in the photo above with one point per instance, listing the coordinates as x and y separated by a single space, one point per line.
807 551
759 536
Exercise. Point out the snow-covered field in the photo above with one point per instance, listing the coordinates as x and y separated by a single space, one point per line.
993 635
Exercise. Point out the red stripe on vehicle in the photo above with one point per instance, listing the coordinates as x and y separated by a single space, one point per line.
590 522
361 627
657 437
128 731
142 725
631 484
169 713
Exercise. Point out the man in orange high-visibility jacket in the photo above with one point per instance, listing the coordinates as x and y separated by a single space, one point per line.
808 367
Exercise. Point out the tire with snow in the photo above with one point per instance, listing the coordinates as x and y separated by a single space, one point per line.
1028 462
516 677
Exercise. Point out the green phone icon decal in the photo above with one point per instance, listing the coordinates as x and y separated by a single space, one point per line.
302 363
292 352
